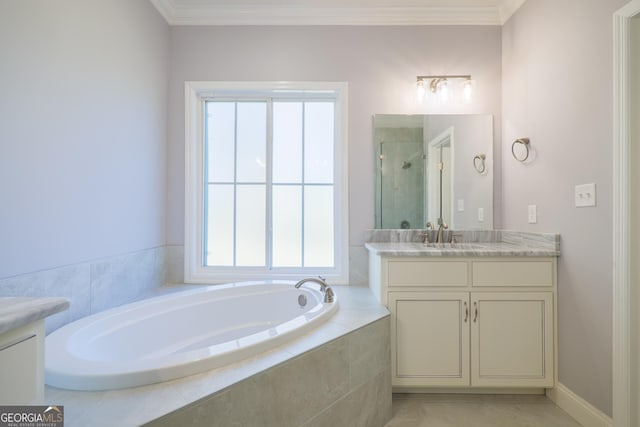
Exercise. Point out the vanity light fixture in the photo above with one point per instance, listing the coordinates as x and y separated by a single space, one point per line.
441 87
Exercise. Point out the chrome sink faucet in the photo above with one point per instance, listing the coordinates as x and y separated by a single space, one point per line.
425 235
441 227
324 288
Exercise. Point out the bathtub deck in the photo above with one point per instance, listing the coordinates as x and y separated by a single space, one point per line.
139 405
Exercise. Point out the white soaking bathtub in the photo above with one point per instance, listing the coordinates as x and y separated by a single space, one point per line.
180 334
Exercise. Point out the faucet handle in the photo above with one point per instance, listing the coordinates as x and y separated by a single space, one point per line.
329 295
429 226
323 284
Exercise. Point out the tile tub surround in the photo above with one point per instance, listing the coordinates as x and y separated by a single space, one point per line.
17 311
349 355
92 286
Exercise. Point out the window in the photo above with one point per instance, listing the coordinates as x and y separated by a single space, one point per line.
266 181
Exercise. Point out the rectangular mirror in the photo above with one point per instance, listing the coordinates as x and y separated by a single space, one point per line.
434 169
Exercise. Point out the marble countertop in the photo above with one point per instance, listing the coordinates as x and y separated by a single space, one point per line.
19 311
458 249
470 243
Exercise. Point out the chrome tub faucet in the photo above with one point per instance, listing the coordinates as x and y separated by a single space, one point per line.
324 288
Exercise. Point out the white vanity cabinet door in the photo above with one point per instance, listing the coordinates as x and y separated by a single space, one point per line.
512 339
430 338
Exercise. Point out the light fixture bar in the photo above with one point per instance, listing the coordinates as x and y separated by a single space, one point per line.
457 76
439 85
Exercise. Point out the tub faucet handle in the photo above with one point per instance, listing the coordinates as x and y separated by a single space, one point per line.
329 295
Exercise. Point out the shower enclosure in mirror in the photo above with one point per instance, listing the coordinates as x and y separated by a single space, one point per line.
428 170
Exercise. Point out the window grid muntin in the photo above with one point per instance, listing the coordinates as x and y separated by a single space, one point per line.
269 101
302 182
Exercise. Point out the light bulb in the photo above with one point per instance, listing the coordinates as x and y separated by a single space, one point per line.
443 91
420 91
467 91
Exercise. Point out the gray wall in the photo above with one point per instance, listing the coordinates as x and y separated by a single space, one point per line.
557 90
379 63
82 131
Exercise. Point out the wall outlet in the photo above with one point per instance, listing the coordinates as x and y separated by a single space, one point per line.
585 195
533 214
460 205
480 214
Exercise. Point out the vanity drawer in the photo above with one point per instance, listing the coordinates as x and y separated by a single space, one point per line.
427 273
513 273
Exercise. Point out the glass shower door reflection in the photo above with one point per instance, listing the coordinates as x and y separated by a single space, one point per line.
402 180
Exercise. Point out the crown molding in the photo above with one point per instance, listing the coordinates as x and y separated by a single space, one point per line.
165 7
202 13
508 8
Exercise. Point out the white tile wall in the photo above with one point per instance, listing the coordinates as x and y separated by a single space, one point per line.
93 286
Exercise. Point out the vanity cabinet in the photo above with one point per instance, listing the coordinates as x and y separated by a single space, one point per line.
22 365
470 322
22 340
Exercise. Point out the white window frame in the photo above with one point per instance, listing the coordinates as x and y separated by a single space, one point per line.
196 93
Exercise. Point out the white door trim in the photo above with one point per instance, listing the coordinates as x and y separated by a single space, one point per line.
623 331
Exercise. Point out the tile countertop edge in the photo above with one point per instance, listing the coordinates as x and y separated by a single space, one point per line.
19 311
463 250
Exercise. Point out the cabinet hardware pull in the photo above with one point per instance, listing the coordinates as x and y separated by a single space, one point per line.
475 313
466 312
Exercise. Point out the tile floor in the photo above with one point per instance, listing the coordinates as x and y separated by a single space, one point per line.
456 410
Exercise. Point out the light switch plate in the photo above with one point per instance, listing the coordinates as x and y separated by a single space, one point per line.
533 214
480 214
585 195
460 205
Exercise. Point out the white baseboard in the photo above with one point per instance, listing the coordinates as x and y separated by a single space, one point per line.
581 410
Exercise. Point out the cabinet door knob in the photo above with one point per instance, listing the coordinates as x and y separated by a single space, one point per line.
475 311
466 312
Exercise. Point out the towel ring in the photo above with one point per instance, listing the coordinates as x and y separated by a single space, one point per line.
525 142
479 165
